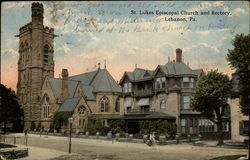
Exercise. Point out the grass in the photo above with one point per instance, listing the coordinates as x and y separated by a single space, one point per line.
232 157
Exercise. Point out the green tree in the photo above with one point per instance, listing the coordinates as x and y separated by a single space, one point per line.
60 119
239 59
213 90
10 110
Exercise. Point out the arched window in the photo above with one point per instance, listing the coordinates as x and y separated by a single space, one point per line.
81 110
117 105
45 107
46 54
104 104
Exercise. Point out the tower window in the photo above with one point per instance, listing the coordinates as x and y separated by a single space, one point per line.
46 54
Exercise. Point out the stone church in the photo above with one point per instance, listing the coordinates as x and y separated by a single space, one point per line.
41 95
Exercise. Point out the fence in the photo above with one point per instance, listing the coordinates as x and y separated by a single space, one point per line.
13 140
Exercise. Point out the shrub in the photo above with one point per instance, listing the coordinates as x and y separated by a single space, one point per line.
38 126
32 126
117 126
60 119
161 127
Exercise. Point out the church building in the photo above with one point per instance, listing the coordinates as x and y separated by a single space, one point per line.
93 94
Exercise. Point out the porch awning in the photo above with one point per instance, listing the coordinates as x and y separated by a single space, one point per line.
128 102
143 102
151 116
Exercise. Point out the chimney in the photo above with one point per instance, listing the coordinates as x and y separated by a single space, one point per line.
178 55
64 93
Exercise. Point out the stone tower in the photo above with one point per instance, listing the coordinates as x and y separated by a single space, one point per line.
36 43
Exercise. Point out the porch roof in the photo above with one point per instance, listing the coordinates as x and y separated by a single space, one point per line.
153 115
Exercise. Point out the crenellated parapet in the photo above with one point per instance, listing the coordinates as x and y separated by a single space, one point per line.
49 30
25 28
37 5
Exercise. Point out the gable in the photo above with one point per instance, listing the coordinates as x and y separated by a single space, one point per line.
82 102
47 89
159 72
78 91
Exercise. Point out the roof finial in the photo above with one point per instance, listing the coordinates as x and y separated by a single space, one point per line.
105 63
188 63
99 64
135 66
168 58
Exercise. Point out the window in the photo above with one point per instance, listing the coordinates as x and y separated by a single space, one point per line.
46 54
81 110
206 125
162 102
160 83
117 105
81 122
45 107
244 127
127 87
104 104
144 108
183 126
129 109
186 102
188 82
104 122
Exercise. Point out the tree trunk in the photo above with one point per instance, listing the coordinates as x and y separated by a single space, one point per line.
220 133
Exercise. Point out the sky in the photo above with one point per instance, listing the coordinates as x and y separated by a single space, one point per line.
127 33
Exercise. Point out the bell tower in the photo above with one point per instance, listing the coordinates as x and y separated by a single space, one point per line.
36 61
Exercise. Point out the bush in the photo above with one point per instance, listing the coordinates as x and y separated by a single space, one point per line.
95 125
38 126
161 127
117 126
60 119
52 127
32 126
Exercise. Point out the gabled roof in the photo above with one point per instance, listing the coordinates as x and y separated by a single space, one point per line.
138 74
104 82
96 81
69 104
85 78
56 84
88 91
177 69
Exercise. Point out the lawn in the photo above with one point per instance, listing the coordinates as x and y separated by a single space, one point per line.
232 157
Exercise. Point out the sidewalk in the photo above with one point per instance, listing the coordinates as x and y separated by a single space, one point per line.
37 153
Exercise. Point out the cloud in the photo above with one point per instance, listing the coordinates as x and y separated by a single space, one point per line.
203 32
237 12
11 5
63 50
167 48
9 53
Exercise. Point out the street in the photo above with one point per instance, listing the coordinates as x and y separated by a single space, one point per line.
94 149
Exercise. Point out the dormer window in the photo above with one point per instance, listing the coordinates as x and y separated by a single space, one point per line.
127 87
160 82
